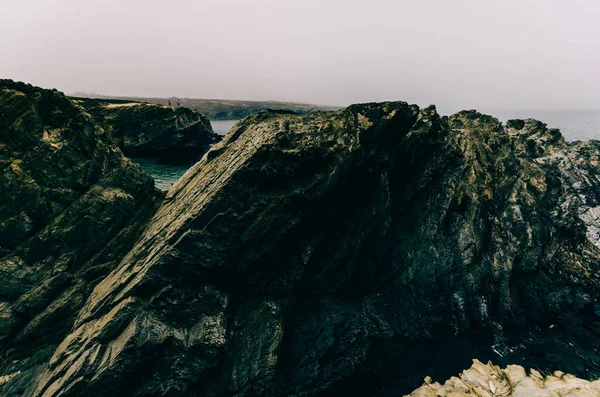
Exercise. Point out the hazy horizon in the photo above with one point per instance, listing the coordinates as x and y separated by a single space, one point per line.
457 55
100 94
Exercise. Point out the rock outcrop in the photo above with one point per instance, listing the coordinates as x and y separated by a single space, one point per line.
70 207
144 129
349 252
214 109
489 380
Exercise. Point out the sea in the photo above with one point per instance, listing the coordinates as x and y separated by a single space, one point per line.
165 173
575 125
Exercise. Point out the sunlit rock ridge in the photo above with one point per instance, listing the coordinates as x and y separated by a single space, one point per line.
513 381
349 252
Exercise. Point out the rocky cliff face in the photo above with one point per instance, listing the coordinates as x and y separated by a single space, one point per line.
70 206
489 380
351 252
149 129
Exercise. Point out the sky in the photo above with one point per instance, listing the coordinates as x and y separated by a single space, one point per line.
457 54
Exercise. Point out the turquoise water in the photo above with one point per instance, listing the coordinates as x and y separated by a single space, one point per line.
164 172
574 125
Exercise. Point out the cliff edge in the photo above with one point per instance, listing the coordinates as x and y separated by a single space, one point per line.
144 129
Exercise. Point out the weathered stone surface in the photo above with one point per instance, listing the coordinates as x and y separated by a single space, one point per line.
350 252
489 380
149 129
70 206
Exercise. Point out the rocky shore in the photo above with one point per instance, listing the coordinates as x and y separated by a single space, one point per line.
335 253
144 129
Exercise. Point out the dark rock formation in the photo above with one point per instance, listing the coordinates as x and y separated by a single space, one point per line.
344 253
70 207
148 129
353 252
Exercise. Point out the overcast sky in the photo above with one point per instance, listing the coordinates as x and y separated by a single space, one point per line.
485 54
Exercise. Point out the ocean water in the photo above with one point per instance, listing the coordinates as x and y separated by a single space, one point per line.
165 174
222 127
575 125
164 171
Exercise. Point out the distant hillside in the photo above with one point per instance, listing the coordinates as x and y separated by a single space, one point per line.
217 109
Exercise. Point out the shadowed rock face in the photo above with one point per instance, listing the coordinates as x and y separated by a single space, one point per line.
148 129
70 207
350 252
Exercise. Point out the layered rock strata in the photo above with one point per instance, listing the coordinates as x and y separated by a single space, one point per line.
348 251
143 129
70 207
345 252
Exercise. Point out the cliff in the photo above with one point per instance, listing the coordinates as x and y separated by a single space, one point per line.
350 252
145 129
217 109
347 252
71 206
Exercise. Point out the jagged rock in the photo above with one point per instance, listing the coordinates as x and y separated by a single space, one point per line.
149 129
350 252
489 380
346 253
71 205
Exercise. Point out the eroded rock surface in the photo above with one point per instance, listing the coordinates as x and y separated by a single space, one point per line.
70 207
513 381
350 252
150 129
